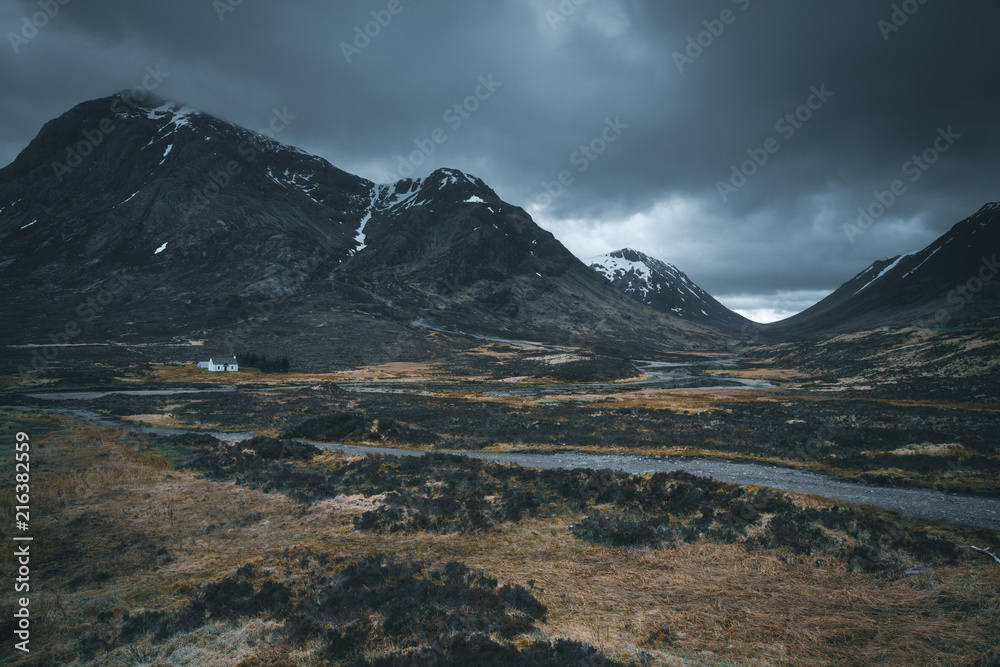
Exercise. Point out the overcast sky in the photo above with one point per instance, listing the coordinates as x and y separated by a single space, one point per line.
664 118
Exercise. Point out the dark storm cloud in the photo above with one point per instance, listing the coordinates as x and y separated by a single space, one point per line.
564 75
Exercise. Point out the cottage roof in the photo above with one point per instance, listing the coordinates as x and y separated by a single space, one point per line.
223 360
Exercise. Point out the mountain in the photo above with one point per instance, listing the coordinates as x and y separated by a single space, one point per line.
664 287
955 281
159 188
125 221
450 247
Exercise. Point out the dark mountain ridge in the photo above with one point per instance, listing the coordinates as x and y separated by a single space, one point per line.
952 282
213 225
139 221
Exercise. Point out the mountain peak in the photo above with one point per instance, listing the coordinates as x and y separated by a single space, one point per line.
449 176
148 101
456 180
662 286
442 186
209 221
629 254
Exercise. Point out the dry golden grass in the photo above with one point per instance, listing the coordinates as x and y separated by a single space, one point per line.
943 405
722 604
189 373
496 351
164 420
20 382
405 372
681 401
766 373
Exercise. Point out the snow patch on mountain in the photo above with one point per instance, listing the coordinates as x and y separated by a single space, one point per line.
299 180
401 197
127 200
615 268
180 116
454 177
884 271
914 269
376 192
661 286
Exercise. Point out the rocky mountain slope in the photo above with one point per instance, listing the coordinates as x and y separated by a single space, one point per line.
160 189
664 287
954 281
151 219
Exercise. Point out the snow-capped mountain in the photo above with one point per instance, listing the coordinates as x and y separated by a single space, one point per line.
157 187
954 281
663 286
212 224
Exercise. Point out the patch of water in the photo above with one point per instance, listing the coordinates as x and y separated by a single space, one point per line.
945 507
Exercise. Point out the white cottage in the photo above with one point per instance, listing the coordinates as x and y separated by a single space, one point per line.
220 365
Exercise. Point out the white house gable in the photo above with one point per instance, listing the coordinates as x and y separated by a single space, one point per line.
220 365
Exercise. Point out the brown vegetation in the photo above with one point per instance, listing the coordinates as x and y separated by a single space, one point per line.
128 532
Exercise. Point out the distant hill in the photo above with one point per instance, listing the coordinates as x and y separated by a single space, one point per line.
664 287
955 281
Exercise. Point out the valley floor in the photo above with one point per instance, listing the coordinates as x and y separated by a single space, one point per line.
500 397
181 549
148 558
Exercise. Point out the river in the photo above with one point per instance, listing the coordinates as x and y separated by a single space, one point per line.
946 507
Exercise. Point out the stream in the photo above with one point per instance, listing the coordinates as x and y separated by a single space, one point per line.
945 507
950 508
